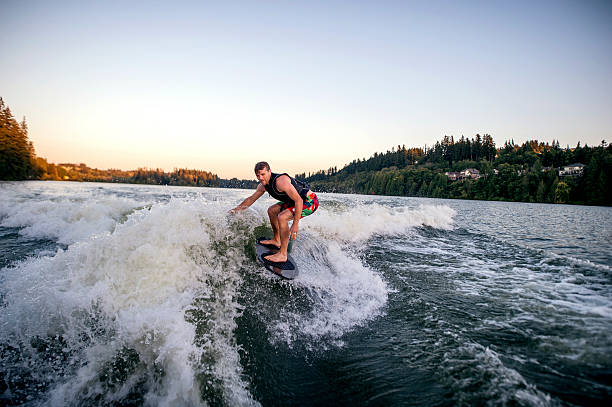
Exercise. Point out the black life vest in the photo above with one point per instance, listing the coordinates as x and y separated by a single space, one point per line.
301 187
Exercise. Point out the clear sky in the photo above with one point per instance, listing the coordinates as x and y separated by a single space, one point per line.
304 85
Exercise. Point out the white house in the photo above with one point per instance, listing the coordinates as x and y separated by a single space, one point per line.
470 173
453 176
572 170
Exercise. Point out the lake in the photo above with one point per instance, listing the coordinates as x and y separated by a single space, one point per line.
117 294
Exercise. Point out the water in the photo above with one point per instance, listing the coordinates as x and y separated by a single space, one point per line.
148 295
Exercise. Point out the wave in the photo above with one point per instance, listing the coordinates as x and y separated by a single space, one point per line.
361 222
341 294
476 373
580 262
142 305
143 290
338 291
65 220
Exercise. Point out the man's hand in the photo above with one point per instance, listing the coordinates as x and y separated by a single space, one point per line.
237 209
293 232
249 201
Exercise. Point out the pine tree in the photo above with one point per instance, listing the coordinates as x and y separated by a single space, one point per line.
16 152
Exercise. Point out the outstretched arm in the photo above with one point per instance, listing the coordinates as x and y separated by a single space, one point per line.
250 200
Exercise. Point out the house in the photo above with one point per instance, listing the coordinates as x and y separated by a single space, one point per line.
453 176
470 173
572 170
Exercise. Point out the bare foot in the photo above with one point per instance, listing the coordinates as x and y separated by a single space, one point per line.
277 258
270 242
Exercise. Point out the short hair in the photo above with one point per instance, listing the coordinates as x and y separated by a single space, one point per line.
262 165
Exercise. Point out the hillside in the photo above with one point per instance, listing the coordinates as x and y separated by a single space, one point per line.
531 172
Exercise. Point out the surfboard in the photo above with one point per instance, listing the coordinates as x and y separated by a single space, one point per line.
286 270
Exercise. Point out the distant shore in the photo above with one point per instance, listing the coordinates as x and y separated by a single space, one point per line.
473 169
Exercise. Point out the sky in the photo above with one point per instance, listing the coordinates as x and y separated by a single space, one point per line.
304 85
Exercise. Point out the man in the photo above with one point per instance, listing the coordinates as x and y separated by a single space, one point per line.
296 200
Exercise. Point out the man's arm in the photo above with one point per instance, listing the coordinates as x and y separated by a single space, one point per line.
251 199
284 184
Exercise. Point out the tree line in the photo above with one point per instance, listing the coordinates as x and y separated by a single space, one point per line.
18 161
526 173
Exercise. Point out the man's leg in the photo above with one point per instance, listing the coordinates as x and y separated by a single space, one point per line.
273 212
283 224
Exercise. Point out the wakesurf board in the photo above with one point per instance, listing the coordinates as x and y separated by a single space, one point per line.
286 270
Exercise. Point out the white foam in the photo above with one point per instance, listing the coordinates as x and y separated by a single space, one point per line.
363 221
582 262
344 294
136 284
65 220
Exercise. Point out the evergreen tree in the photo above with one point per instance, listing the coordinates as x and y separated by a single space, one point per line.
16 152
561 192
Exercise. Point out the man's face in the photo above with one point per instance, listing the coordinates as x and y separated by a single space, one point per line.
263 176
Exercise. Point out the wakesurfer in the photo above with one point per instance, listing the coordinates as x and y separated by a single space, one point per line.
296 201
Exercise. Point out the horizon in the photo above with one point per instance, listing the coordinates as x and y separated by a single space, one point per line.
304 87
424 148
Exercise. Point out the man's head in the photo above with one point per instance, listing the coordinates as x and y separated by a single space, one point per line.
262 172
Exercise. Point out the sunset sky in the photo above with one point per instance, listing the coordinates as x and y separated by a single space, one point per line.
304 85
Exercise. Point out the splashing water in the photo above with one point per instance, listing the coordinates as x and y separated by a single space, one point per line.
119 294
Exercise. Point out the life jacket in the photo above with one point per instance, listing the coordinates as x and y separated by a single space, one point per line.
301 187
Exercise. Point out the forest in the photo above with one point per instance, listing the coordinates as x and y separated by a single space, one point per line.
530 172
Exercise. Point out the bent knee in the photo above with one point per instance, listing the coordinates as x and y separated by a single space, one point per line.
285 215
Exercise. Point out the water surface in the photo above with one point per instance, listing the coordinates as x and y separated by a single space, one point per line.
149 295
